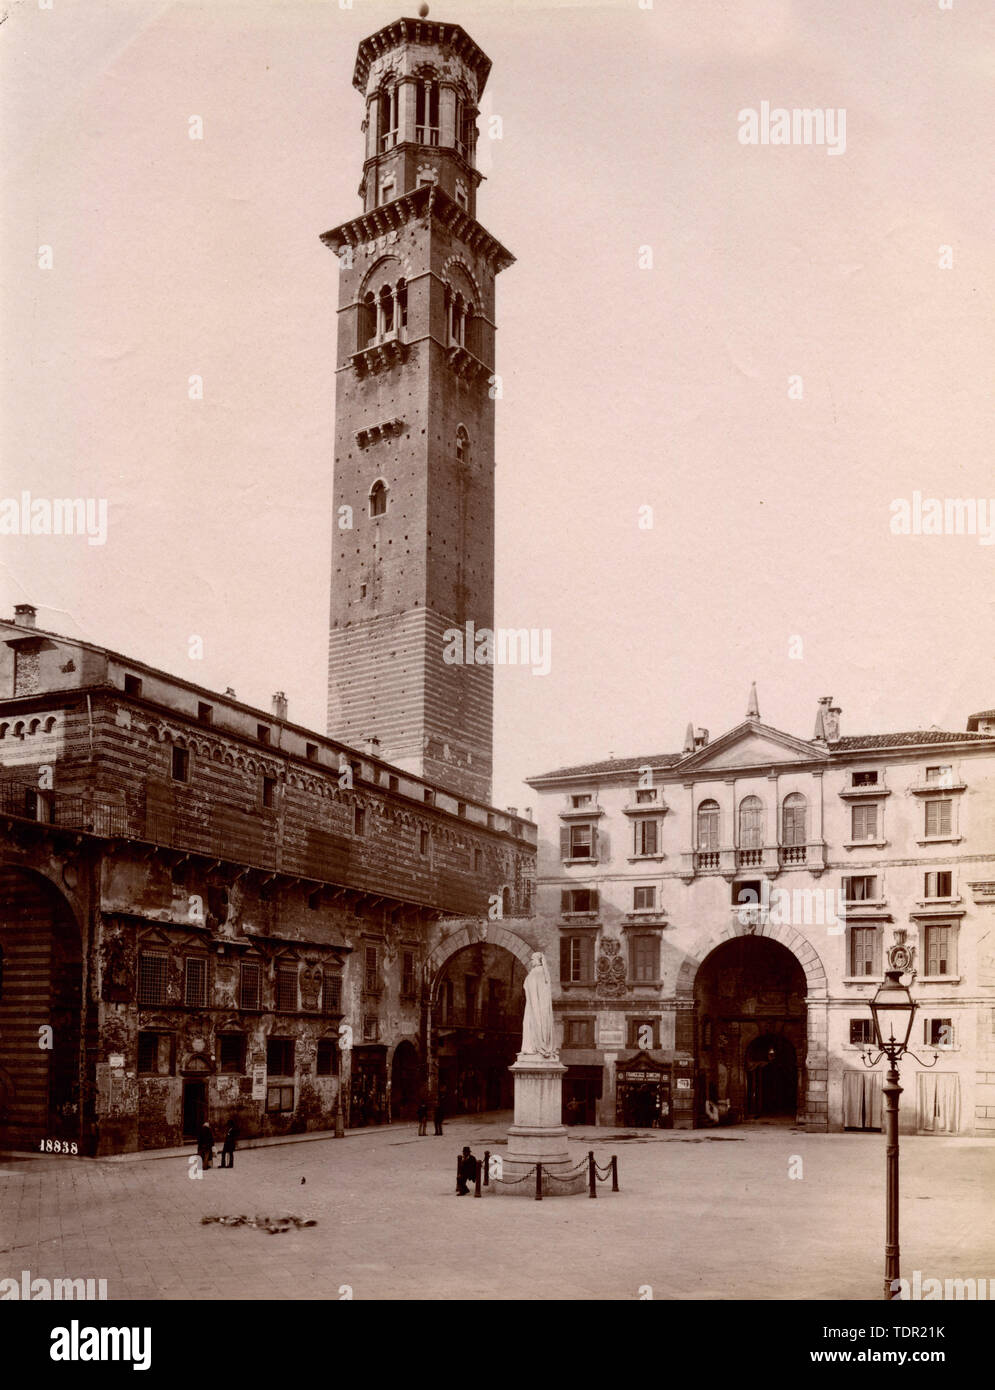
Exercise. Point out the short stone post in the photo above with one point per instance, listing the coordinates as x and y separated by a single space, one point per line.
592 1174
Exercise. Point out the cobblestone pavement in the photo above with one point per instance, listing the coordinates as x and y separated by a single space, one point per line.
711 1215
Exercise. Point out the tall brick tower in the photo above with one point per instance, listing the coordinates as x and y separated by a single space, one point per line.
413 528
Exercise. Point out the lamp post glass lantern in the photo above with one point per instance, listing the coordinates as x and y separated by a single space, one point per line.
893 1010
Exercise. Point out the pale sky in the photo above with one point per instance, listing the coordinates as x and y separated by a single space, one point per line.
624 387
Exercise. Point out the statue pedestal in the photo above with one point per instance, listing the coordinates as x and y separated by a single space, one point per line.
538 1134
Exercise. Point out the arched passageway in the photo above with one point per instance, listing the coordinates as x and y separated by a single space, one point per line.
41 987
750 997
477 1008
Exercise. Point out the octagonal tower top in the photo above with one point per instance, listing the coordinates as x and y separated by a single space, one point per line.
411 34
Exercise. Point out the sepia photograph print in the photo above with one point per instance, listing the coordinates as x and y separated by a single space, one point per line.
448 455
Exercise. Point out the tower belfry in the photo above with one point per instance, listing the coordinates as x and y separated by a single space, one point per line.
413 522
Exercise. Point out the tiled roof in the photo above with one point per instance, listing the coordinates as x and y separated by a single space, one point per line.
981 714
854 743
905 740
617 765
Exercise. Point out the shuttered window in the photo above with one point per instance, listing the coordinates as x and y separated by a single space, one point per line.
939 951
864 822
863 951
794 814
708 825
579 841
751 823
938 817
576 959
579 900
645 837
644 958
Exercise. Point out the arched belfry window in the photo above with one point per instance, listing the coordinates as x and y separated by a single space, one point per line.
460 313
794 815
462 447
708 825
751 823
367 320
386 311
378 498
465 128
388 105
427 113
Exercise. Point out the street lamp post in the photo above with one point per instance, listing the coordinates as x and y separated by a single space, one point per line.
893 1010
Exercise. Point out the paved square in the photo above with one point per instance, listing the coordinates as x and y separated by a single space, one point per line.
711 1215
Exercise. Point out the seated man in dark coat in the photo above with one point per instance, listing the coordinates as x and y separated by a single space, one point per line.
466 1173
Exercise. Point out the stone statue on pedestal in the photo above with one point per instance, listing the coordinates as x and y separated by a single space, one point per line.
537 1025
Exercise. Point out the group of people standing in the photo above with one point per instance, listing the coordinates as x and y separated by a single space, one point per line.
205 1146
438 1112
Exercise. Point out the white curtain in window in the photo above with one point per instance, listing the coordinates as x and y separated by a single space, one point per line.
861 1100
939 1102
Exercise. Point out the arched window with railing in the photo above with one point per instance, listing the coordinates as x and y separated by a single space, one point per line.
794 818
708 825
462 447
427 113
388 105
751 823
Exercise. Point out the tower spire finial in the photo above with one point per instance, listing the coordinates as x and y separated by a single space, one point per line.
753 708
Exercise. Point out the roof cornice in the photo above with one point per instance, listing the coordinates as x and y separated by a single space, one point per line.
425 31
427 201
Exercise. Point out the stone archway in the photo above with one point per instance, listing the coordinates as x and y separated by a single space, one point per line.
41 1008
813 1057
474 1003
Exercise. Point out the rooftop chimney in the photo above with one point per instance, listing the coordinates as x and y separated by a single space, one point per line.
25 614
701 738
372 745
831 719
279 705
512 810
230 692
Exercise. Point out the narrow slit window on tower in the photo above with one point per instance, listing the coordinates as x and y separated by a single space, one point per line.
462 446
402 303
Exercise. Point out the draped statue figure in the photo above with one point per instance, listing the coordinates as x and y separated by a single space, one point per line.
537 1025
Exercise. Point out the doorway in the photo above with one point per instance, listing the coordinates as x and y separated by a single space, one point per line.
771 1078
194 1108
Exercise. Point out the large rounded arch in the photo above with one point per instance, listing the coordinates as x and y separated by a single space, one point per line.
41 1005
474 984
774 986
